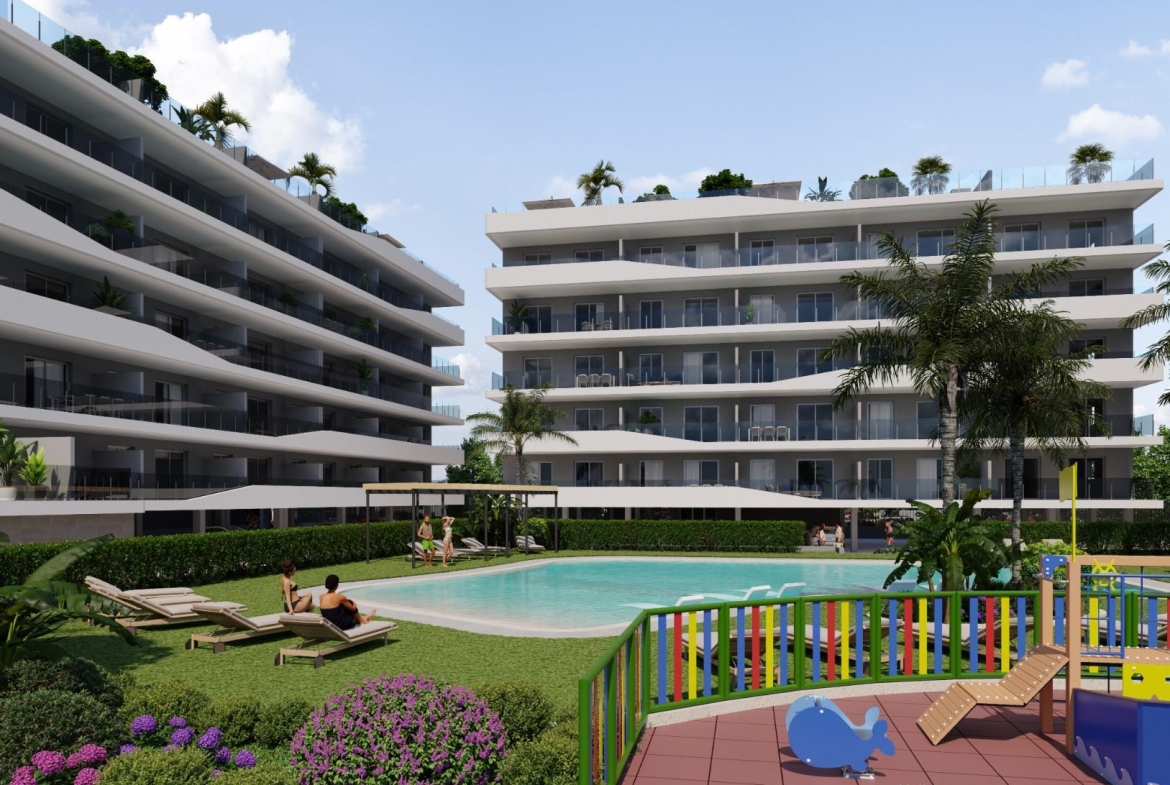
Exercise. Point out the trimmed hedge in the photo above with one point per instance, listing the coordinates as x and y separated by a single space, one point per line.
196 559
1105 537
711 536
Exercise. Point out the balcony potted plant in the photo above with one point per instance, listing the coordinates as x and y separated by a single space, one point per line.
749 314
12 458
518 316
724 183
365 373
661 193
369 325
107 299
35 473
285 302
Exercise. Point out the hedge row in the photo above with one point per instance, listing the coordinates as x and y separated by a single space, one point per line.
714 536
1107 537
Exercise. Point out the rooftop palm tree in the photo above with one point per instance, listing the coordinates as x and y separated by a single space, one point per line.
1026 394
195 125
823 193
953 542
1089 163
314 172
222 119
523 417
939 320
930 175
594 182
1159 351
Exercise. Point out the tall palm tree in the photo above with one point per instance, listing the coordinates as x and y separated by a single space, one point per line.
312 170
195 125
939 320
523 417
1026 394
930 175
823 193
1159 352
603 176
222 119
1089 163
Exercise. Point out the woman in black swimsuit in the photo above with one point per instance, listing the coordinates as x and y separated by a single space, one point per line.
338 608
293 602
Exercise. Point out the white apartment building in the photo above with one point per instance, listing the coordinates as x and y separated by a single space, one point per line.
263 360
681 337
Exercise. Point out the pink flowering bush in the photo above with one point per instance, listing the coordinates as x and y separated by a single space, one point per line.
396 729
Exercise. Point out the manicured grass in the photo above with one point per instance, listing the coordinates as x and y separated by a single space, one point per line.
452 655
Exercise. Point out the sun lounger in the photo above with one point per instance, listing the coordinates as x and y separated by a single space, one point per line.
528 544
112 592
459 553
316 630
233 625
475 546
146 612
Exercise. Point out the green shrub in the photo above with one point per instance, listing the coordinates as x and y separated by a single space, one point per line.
264 774
717 536
166 699
187 766
279 720
53 720
523 708
549 759
69 674
237 719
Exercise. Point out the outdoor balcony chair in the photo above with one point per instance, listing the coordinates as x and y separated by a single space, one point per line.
606 380
582 380
769 434
781 433
594 380
316 630
755 433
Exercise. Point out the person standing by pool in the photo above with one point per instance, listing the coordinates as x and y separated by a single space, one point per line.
889 533
448 547
821 534
426 538
839 539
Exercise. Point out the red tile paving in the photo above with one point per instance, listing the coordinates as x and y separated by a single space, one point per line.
992 746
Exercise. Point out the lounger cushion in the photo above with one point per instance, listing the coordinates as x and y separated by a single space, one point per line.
327 630
367 630
227 614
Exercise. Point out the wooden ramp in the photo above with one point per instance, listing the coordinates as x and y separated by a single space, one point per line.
1017 688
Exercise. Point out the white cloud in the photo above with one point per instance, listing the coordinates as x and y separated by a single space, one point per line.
77 19
1110 126
1134 49
1164 47
561 187
389 209
679 185
252 70
1070 73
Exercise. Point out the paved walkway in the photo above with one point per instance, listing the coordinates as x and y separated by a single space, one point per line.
992 746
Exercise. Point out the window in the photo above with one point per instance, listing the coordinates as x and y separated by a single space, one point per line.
762 474
39 120
1021 237
701 312
927 419
762 366
814 421
537 371
1031 479
814 477
260 354
880 415
539 319
650 369
650 315
589 256
879 476
700 472
650 420
170 397
46 383
588 364
814 307
815 249
46 287
651 254
260 416
1086 234
47 204
259 471
928 480
168 468
650 474
701 255
1091 478
169 185
590 419
701 423
761 252
1091 347
1091 287
700 368
589 315
762 414
589 474
809 362
544 473
873 246
537 258
935 242
761 309
169 322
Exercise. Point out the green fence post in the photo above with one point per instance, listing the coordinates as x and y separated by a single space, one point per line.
955 604
630 697
645 667
725 650
1131 619
875 638
611 758
584 734
798 644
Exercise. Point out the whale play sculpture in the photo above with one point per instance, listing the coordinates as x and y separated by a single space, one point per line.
823 737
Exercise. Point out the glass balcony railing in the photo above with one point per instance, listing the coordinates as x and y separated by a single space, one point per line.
967 181
665 375
445 409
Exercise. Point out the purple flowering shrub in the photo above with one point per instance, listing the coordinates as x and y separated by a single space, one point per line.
396 729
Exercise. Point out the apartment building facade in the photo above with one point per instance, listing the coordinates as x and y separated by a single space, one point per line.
191 344
682 338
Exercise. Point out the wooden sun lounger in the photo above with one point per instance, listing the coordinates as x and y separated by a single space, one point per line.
478 547
316 630
148 613
529 544
233 625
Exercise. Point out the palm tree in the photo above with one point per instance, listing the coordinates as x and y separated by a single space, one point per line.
593 183
523 417
952 541
939 320
312 170
1159 352
193 124
823 193
930 175
216 112
1089 163
1026 393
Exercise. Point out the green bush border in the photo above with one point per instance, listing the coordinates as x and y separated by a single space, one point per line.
709 536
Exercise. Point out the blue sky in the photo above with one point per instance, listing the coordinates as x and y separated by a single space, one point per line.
437 111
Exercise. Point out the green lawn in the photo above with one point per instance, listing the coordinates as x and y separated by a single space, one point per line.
452 655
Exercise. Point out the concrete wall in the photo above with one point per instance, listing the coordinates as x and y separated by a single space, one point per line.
52 528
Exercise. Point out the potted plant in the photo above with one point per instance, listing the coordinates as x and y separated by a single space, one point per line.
647 419
364 281
884 184
369 325
285 302
12 458
1090 163
108 299
661 193
518 315
931 175
365 372
749 314
35 472
724 183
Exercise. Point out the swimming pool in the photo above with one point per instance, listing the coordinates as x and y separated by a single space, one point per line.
589 596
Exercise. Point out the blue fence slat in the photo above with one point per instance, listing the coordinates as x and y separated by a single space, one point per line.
1021 628
859 649
1152 624
739 649
662 658
938 634
1111 620
973 633
816 641
1060 622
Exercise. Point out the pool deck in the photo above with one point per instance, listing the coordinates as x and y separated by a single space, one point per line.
992 746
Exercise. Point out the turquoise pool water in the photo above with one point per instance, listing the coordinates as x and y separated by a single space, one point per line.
581 593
